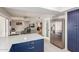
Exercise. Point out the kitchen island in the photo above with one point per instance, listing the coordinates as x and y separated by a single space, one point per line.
25 43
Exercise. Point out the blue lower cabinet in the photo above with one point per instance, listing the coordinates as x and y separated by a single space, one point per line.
32 46
39 45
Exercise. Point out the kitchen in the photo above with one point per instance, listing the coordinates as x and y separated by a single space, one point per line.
33 29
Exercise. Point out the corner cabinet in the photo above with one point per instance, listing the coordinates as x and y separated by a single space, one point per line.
31 46
73 30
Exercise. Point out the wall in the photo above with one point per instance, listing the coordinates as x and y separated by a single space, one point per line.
44 30
2 26
19 27
4 14
65 30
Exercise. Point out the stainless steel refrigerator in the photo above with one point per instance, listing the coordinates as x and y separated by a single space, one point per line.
57 33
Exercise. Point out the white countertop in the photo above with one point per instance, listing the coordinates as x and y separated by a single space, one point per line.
6 42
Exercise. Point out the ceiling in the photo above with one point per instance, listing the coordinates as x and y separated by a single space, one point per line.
34 11
59 9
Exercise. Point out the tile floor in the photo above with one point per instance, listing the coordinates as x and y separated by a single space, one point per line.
48 47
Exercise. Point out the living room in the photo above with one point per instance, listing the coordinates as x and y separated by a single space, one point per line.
20 25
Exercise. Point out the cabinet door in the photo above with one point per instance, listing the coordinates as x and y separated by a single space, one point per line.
72 31
77 16
23 47
39 45
32 46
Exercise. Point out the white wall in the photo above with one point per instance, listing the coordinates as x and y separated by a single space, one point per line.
44 27
19 27
2 26
5 15
66 30
7 32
